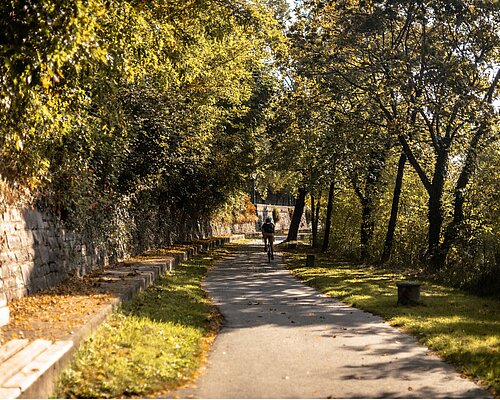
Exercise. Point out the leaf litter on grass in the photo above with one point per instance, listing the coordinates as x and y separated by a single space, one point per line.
152 344
55 313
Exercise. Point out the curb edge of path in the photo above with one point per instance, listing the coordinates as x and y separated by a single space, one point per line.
36 377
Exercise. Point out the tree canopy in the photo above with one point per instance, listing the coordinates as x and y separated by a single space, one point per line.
385 112
414 81
113 101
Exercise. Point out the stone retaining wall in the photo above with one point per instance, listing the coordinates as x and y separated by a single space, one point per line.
285 212
36 253
30 368
226 229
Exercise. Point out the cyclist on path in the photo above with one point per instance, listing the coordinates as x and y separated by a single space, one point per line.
268 233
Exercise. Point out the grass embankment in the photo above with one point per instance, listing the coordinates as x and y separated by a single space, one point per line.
462 328
152 344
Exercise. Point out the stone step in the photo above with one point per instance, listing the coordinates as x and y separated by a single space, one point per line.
21 358
33 370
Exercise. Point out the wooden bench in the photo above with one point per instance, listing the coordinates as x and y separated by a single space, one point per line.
22 363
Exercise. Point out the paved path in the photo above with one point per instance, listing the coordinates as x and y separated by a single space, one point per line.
282 339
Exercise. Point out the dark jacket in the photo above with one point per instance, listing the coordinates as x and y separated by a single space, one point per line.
268 227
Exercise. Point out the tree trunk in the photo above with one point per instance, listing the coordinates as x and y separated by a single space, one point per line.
367 199
389 238
328 221
298 210
436 258
453 229
313 210
315 219
317 213
367 227
314 222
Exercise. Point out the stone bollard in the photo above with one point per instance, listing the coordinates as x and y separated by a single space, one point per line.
310 261
409 293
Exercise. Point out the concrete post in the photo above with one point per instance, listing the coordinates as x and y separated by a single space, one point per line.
310 260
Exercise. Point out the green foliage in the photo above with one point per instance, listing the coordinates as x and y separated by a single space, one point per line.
152 344
104 100
237 210
160 111
460 327
372 80
276 215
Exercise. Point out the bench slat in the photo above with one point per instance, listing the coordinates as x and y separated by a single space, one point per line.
12 347
17 362
36 368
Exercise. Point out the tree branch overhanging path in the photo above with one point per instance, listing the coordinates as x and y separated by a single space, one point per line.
177 107
138 124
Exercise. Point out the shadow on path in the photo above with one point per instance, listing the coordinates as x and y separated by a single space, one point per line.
283 339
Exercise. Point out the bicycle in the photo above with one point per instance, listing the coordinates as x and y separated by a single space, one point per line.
270 253
268 236
269 248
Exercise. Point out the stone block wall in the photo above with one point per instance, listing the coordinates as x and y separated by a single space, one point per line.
227 229
285 212
36 253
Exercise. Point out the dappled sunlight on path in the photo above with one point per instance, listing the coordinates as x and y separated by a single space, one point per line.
282 339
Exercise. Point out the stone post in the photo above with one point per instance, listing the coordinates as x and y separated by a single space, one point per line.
310 260
409 293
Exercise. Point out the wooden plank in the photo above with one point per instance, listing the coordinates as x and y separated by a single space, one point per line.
9 393
4 315
19 360
37 367
12 347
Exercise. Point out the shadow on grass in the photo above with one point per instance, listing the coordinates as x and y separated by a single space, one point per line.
462 328
178 297
152 344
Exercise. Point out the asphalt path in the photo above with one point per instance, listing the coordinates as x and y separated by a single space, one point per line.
283 339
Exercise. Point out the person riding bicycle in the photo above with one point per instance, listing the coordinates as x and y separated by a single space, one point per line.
268 233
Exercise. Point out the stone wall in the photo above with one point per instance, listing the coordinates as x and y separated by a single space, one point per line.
226 229
36 253
285 212
263 211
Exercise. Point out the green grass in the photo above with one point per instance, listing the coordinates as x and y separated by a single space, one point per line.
152 344
462 328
